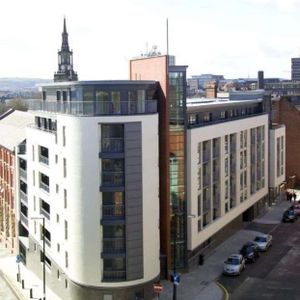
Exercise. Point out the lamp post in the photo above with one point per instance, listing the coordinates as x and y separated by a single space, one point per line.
44 265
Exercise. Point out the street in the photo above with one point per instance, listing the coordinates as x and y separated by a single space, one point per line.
276 274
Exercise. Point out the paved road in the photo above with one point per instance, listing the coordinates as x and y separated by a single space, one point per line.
276 275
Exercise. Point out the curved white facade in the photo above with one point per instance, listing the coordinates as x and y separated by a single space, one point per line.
81 181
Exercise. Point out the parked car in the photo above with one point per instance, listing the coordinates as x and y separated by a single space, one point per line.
289 216
250 251
234 265
296 209
263 241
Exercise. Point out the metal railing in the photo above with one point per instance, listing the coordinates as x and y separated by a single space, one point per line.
44 160
113 245
23 173
112 145
112 178
114 275
45 213
48 242
95 108
23 197
44 186
113 211
24 219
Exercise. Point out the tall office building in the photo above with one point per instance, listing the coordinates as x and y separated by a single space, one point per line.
296 69
65 60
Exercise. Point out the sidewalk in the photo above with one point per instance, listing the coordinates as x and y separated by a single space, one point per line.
200 284
9 270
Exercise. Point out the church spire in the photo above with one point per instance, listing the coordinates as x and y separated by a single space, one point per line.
65 60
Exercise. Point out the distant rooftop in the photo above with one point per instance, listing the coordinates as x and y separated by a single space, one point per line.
12 128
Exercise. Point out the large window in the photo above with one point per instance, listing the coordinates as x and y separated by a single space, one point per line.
113 204
112 138
112 172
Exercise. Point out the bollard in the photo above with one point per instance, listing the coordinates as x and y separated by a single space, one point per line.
30 294
23 284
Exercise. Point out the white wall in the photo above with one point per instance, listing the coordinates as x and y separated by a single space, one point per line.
83 214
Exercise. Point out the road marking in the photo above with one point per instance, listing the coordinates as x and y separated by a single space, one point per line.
226 294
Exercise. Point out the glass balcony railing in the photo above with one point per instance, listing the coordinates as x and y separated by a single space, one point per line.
24 219
45 213
113 211
112 145
23 196
114 275
113 245
44 187
44 160
23 173
112 178
95 108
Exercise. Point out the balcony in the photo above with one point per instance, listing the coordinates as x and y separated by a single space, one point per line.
24 219
95 108
114 275
23 196
113 245
112 145
44 213
47 242
113 211
44 187
22 149
23 174
112 178
44 160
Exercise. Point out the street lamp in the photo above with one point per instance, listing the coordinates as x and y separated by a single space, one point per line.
44 265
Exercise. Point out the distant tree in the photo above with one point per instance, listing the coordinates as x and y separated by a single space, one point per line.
3 108
17 104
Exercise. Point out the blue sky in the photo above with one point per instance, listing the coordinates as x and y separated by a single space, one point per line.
235 38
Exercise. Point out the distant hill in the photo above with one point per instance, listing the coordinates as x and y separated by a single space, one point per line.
21 84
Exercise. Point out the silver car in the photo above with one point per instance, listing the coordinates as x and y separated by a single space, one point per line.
263 241
234 265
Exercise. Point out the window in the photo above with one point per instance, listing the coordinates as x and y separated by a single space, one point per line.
34 203
65 198
64 135
66 283
33 152
65 167
66 259
66 230
226 144
58 248
57 218
116 97
34 226
226 207
57 188
33 177
56 158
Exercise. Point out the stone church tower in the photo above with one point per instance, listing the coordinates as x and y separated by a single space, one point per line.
65 60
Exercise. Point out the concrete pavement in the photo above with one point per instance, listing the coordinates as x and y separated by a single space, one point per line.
200 284
9 270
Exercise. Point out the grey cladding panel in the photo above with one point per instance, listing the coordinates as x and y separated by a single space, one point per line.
133 200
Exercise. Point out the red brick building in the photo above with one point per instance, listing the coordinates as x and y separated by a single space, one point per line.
287 111
12 133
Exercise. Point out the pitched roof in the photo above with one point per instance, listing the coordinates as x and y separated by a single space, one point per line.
13 128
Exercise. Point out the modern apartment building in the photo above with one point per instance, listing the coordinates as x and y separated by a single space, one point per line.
12 132
227 163
92 173
295 68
